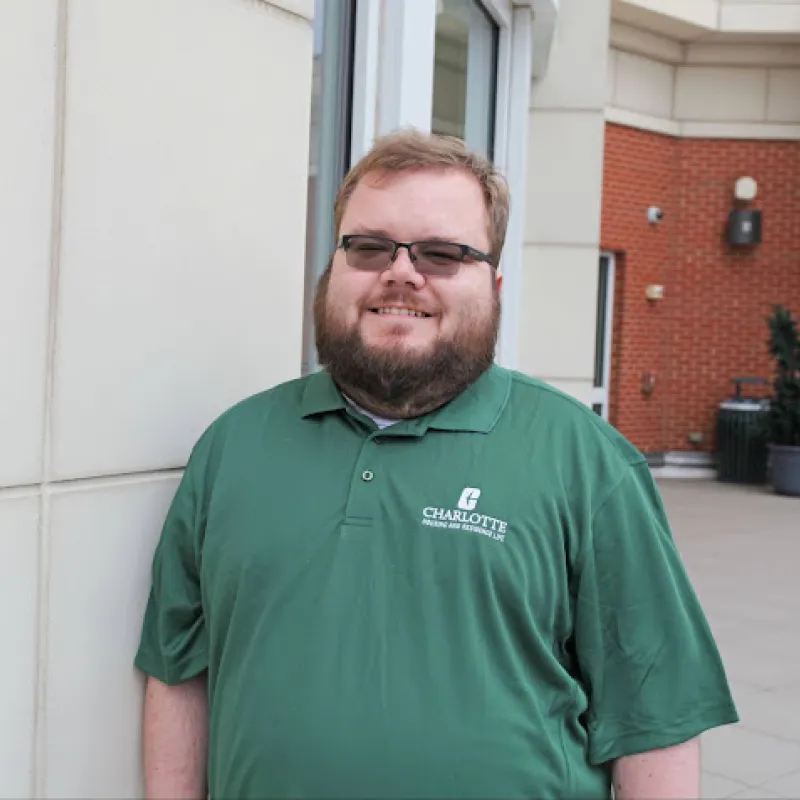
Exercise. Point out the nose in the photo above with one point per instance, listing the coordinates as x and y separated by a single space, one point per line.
402 270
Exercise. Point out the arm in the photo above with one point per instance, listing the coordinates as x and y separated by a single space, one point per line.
175 739
669 774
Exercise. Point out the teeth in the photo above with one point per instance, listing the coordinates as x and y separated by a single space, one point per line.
401 312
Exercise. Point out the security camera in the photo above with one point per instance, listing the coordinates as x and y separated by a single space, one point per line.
654 214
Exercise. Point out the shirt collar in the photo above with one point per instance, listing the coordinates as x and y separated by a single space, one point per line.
476 409
320 395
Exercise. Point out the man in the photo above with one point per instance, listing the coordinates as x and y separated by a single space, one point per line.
416 574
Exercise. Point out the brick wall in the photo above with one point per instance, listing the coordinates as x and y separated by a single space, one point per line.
710 325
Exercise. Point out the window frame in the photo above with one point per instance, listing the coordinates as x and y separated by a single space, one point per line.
515 77
393 74
487 116
334 153
604 333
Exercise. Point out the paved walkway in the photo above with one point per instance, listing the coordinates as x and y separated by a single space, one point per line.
742 549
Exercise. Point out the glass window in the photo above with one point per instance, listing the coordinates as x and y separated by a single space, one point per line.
600 355
465 73
329 150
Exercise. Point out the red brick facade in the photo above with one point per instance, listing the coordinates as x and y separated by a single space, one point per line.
710 326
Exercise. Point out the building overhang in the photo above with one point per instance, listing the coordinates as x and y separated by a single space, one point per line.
708 21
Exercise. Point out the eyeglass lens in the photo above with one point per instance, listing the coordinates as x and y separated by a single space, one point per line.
430 258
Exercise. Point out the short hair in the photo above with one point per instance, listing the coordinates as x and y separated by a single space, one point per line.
410 149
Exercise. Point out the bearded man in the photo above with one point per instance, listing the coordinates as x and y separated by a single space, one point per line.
415 574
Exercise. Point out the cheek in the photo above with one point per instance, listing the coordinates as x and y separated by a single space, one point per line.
463 307
347 294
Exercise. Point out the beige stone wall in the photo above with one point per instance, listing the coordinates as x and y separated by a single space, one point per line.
693 18
565 171
713 90
154 165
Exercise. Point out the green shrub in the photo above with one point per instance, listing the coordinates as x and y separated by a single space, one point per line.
783 419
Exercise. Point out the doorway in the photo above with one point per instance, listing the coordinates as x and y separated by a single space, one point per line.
602 343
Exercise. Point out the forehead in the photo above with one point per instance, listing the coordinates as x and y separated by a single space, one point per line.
419 204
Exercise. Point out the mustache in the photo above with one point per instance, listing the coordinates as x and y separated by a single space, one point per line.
398 297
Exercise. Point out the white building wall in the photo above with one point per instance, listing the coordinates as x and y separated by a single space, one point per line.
565 173
27 98
694 18
151 248
759 16
27 135
748 91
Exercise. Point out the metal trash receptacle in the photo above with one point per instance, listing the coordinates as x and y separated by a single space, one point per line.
742 452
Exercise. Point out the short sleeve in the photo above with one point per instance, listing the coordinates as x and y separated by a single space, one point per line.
173 645
646 655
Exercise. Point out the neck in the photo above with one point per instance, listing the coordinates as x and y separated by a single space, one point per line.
403 408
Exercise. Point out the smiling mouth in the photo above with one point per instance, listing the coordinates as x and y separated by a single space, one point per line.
400 312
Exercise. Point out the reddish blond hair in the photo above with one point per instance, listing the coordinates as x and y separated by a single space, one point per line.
413 150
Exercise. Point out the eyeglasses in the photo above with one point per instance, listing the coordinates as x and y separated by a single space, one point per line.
375 253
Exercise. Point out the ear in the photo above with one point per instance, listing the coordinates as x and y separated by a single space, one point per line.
499 280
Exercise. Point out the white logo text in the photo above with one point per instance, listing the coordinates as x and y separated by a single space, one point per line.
466 518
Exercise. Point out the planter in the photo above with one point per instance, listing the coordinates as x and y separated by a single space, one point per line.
786 469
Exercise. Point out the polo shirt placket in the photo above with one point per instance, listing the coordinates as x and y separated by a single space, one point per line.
365 487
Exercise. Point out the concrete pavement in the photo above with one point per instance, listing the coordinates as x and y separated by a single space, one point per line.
741 546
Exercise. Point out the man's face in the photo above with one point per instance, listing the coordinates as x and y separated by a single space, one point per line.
454 319
408 207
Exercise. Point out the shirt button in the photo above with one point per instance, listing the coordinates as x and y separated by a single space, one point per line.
367 476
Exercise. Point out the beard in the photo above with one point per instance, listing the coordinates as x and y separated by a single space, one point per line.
398 382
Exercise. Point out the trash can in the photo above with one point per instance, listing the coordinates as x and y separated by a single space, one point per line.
742 452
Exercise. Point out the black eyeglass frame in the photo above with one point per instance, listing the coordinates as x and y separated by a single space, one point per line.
467 252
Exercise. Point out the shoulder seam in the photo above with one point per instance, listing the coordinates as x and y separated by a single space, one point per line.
611 492
629 468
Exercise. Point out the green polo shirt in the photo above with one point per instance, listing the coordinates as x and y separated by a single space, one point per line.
484 602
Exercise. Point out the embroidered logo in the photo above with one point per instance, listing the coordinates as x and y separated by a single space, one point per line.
469 499
466 518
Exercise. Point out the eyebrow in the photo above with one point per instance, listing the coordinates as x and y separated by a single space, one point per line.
362 230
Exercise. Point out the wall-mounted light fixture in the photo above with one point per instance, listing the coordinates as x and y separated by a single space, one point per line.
744 224
654 292
745 189
649 380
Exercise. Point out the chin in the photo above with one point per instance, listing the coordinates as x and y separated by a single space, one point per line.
400 343
399 339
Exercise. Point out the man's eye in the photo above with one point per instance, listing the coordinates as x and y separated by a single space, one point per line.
441 254
370 247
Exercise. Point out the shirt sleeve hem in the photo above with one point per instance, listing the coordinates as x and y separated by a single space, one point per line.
622 743
171 674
